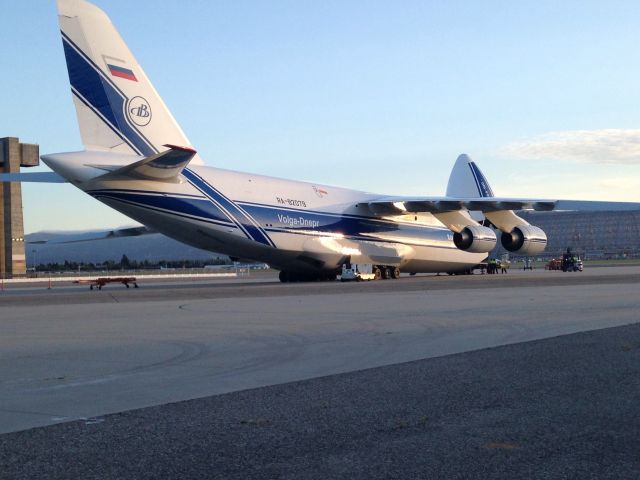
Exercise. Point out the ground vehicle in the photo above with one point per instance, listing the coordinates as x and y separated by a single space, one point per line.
554 264
367 271
571 262
102 281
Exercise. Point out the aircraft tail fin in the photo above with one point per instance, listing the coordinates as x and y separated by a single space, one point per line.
467 181
118 108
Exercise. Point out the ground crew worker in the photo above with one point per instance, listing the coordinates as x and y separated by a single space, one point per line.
493 266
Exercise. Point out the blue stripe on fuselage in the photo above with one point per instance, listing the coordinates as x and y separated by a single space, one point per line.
361 228
106 197
235 213
272 218
201 208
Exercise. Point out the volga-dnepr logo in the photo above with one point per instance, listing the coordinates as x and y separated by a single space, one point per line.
139 111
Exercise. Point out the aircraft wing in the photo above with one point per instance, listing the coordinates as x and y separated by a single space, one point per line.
400 205
38 177
97 235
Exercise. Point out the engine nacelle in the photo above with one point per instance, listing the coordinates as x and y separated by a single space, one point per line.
475 239
525 240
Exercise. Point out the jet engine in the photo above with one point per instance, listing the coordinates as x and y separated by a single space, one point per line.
524 239
475 239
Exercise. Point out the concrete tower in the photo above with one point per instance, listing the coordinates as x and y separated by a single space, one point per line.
13 155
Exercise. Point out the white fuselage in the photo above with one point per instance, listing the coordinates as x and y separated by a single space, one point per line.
290 225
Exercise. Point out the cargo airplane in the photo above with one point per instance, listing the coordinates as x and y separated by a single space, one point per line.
138 161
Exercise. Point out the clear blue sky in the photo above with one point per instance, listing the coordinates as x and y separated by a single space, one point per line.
380 96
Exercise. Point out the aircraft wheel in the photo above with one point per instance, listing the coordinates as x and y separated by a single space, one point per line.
395 272
386 273
377 273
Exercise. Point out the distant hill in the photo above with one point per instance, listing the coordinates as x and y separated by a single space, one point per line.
153 248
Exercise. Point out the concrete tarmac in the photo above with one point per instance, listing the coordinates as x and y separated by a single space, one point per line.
70 353
559 408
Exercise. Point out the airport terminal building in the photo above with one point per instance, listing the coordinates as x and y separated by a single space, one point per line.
593 234
13 155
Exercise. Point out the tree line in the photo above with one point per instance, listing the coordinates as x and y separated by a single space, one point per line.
126 264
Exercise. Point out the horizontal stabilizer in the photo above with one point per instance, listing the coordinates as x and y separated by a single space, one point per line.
98 235
37 177
164 166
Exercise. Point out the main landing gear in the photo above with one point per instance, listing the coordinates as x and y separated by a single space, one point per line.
386 272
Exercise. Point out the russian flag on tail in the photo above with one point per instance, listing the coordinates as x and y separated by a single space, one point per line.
122 72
